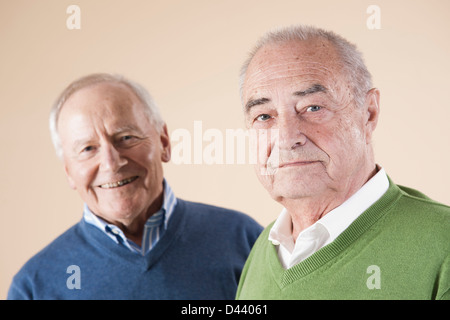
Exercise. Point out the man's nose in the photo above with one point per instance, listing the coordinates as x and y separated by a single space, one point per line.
290 132
111 158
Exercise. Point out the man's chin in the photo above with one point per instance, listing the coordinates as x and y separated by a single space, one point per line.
117 211
295 187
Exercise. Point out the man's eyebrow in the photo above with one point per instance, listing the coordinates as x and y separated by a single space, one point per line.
126 128
254 102
117 131
315 88
83 142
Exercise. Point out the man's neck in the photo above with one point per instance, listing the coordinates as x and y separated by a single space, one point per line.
308 210
134 229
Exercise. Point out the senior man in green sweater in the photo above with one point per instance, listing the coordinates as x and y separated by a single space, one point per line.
346 231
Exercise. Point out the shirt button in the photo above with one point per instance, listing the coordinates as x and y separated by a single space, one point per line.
275 243
115 231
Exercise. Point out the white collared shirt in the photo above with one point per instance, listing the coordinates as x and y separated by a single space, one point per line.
328 228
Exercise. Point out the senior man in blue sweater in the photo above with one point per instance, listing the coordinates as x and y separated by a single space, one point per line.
136 240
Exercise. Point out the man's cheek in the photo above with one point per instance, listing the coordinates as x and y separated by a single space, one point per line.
264 148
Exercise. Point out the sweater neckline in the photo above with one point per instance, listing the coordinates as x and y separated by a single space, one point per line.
284 277
102 242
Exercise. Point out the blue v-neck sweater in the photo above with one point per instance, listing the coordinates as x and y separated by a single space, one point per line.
200 256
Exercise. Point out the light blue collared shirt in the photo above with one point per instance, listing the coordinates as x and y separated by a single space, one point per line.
154 228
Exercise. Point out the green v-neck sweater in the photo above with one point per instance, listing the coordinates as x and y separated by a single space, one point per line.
399 248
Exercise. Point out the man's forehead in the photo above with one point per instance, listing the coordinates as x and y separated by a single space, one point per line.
315 53
101 98
115 105
312 49
287 69
291 64
289 76
103 91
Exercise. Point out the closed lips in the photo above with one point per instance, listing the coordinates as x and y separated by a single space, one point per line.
296 163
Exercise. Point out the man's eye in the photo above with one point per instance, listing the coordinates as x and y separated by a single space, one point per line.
263 117
313 108
87 149
127 140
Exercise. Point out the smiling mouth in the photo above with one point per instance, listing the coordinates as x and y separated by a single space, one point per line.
118 183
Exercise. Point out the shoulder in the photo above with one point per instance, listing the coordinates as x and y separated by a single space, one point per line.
263 240
419 218
418 203
206 219
214 213
52 251
42 264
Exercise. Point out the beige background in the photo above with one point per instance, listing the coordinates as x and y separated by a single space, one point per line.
188 53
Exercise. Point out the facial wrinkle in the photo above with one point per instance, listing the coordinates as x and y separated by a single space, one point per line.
311 67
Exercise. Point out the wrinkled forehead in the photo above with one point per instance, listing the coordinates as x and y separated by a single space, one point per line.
310 60
110 103
102 92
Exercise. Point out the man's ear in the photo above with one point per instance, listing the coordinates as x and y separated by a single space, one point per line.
165 144
69 178
372 107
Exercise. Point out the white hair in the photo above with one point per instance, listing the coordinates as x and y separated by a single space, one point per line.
351 58
150 108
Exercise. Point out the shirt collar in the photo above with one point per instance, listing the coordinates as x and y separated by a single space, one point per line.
281 232
169 203
338 219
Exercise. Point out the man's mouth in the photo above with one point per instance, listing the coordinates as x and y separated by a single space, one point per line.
296 164
118 183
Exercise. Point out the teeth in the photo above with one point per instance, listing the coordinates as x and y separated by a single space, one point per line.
118 183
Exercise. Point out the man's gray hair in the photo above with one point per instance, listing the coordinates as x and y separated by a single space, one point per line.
351 58
141 93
